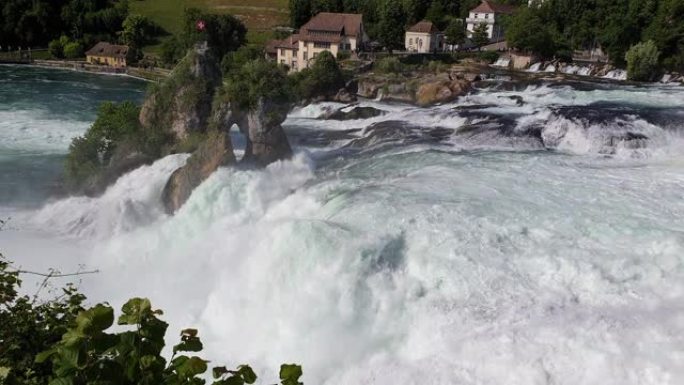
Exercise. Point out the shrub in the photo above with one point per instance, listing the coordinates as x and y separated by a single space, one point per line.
488 56
343 55
29 326
642 61
389 65
90 153
255 80
60 342
73 50
233 61
56 49
323 78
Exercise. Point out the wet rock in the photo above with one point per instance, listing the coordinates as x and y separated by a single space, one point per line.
344 96
214 152
182 103
266 139
441 91
354 113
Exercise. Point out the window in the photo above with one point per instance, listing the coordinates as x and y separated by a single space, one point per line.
322 45
306 56
411 41
486 16
475 17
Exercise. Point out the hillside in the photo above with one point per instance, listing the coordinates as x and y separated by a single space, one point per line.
260 16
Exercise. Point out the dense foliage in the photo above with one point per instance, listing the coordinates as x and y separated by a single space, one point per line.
323 78
223 33
34 23
613 25
116 126
642 61
58 342
28 327
256 80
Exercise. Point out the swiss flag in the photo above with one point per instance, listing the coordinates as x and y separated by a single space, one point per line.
201 25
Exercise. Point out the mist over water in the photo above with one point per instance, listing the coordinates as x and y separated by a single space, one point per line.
527 234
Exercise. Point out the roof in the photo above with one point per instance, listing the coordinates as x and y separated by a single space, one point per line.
291 42
349 23
424 27
488 6
108 50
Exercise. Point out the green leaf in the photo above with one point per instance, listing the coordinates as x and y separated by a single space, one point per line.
289 374
4 372
248 374
192 367
73 337
219 371
98 318
193 344
134 311
62 381
44 356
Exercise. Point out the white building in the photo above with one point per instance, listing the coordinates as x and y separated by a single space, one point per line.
424 37
333 32
489 13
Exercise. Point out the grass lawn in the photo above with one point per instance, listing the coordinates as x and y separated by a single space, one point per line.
260 16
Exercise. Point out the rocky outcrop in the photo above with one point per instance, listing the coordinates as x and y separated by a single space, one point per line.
182 103
265 137
126 158
353 114
214 152
441 91
424 90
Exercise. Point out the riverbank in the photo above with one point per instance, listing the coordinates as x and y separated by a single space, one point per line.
153 74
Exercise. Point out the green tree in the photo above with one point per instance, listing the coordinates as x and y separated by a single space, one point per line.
323 78
390 29
527 31
257 80
300 12
642 61
480 35
436 13
455 32
73 50
136 31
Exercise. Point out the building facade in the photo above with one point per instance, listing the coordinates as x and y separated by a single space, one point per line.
333 32
104 53
424 37
490 14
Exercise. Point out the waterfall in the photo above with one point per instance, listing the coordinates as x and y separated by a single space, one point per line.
616 75
534 67
502 62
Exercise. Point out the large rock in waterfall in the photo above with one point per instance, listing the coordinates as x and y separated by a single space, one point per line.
265 137
214 152
182 103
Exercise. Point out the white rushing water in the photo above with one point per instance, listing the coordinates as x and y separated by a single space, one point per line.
494 240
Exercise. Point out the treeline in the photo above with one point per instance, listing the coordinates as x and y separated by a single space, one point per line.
34 23
403 12
556 27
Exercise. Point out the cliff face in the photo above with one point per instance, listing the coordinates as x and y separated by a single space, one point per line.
182 103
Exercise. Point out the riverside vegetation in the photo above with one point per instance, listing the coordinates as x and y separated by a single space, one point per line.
61 342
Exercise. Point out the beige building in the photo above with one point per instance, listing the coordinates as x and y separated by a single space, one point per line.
334 32
104 53
490 14
424 37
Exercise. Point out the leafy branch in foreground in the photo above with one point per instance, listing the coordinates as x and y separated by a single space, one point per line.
61 343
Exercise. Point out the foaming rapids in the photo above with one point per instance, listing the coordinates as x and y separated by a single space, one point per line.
513 236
